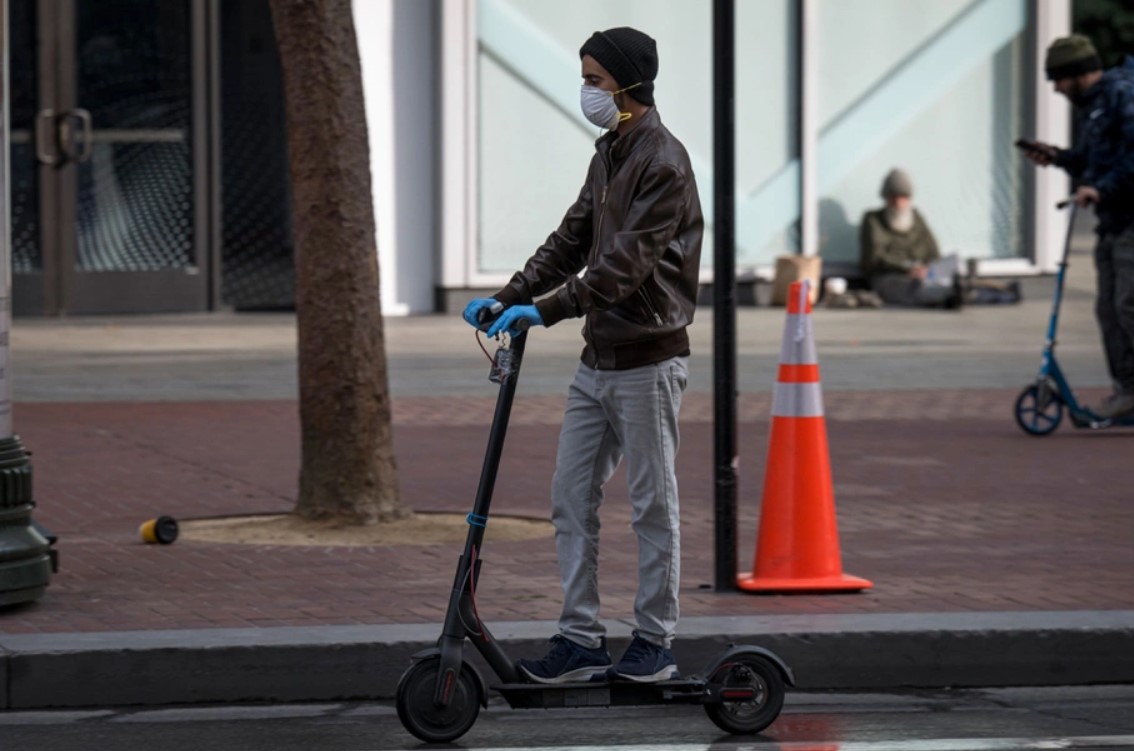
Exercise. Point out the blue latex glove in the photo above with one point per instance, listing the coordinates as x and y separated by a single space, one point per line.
474 307
509 319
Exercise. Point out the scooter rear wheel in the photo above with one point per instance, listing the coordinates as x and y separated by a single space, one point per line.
1039 411
422 717
748 717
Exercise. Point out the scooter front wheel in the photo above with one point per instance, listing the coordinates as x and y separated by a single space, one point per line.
751 715
1039 410
422 717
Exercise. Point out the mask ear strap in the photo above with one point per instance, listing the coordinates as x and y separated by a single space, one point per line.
624 116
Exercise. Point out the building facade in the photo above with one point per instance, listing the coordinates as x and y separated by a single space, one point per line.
149 165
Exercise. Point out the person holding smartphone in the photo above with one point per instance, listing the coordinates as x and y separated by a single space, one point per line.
1102 162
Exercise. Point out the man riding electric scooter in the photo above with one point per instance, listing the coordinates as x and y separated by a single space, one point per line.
634 233
626 259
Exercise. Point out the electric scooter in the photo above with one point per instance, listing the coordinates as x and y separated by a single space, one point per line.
440 694
1039 407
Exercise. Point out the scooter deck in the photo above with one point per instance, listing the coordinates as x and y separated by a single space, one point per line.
1086 419
691 690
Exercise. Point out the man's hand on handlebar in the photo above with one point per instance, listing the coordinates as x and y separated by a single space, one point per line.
1085 195
511 320
478 310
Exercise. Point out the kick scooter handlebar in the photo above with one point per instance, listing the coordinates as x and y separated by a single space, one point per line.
1069 201
486 316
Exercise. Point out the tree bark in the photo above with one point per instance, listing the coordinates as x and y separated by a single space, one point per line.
348 470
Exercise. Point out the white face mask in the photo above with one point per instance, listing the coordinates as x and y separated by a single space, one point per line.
599 108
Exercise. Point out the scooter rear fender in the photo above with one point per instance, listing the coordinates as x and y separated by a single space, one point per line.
735 650
425 654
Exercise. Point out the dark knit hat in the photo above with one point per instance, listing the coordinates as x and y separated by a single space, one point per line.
1070 56
628 55
897 183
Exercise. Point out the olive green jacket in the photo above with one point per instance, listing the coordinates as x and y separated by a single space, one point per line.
883 250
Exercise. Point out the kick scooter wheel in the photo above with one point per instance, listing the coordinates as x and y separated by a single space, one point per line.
750 715
422 717
1039 413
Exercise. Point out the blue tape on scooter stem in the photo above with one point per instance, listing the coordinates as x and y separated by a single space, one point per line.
476 520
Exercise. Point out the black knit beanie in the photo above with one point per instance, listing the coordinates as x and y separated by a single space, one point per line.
1071 56
628 55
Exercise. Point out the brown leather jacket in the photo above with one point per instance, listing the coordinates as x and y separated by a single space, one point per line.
636 230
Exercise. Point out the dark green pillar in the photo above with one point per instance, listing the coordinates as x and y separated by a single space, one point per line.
25 555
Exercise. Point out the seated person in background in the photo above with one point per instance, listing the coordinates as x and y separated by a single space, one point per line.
899 255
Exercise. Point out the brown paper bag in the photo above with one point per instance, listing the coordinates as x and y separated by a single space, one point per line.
793 269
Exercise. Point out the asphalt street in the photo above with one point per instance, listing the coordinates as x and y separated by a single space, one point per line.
1100 717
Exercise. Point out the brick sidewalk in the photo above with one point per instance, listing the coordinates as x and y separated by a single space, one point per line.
942 501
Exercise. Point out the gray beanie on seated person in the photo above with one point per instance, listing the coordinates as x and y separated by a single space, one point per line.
897 183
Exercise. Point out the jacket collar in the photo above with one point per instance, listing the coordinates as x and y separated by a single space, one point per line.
1124 70
617 147
1091 94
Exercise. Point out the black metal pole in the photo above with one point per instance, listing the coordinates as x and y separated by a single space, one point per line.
724 295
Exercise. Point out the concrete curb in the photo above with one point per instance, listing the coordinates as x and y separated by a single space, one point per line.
364 662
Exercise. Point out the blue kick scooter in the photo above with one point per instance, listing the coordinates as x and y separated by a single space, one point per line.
1039 408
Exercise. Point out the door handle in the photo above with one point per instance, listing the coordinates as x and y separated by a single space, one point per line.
83 151
45 135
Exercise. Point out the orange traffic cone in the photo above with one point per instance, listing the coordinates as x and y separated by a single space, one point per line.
797 548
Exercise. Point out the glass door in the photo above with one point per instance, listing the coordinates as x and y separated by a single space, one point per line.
121 153
31 145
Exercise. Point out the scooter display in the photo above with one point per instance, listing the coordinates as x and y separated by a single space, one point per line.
440 695
1040 406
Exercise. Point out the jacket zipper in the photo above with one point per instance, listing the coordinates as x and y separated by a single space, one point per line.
649 305
602 199
602 212
598 234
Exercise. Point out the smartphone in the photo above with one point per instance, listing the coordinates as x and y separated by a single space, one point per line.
1034 146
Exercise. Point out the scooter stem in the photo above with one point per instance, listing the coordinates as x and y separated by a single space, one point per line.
1053 322
461 612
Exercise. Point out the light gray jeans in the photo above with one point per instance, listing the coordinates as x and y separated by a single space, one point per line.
611 414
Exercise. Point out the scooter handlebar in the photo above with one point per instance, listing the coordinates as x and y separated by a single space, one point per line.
486 316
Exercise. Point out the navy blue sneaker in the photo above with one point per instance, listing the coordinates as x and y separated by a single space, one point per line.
567 662
645 662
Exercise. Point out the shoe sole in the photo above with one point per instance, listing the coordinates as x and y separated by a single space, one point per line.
571 676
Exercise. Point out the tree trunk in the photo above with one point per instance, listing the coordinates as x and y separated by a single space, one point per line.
348 470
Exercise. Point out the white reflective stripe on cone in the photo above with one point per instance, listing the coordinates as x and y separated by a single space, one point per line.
797 400
794 352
